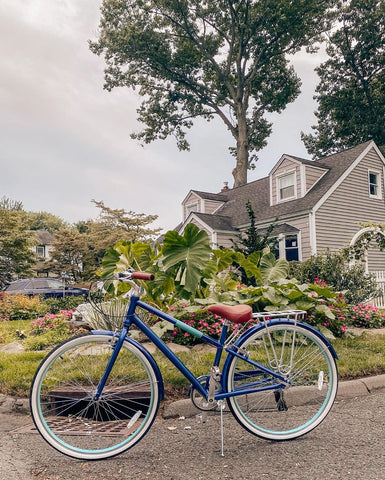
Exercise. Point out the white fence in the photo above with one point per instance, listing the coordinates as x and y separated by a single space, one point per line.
380 279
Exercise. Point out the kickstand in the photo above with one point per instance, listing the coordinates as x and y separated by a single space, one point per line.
221 405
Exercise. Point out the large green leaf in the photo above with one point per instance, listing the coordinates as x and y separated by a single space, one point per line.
187 254
273 270
249 265
124 255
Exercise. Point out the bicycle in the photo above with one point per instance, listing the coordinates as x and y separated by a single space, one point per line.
96 395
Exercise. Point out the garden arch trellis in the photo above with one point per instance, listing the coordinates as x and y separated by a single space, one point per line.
362 239
359 248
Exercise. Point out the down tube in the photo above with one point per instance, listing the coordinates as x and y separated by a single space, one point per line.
169 353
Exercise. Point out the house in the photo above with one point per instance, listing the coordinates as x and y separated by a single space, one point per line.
314 204
44 241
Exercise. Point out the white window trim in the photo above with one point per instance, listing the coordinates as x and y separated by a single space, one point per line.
379 183
279 177
282 247
190 206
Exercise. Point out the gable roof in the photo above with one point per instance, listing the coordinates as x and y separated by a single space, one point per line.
44 237
298 160
220 223
219 197
257 192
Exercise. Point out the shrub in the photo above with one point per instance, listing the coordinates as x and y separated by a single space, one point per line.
20 307
51 321
205 322
70 302
48 330
334 268
366 316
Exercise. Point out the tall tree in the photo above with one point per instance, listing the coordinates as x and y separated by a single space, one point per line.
79 250
252 240
194 58
351 93
45 221
16 255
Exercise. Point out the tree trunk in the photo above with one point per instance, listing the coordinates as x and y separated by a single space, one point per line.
240 170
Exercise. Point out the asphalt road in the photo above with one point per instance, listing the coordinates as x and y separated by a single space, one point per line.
349 444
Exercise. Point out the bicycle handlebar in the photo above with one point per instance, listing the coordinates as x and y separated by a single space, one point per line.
143 276
136 275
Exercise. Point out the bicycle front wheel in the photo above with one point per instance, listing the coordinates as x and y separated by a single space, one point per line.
68 415
278 410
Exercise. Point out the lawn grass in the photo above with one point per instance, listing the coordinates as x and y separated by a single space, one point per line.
360 356
357 357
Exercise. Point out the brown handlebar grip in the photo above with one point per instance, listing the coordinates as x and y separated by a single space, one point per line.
143 276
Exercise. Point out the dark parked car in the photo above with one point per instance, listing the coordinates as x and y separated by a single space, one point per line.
47 287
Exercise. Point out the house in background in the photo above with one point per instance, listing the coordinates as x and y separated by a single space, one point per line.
314 204
43 251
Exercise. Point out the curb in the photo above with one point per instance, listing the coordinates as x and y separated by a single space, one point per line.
346 389
184 408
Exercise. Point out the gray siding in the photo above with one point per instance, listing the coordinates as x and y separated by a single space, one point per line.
350 205
302 223
224 240
191 200
209 206
312 175
376 258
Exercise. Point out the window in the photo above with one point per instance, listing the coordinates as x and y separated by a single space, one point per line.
193 207
286 186
374 184
291 247
40 250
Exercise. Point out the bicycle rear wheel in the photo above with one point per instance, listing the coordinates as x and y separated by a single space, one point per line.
282 412
65 411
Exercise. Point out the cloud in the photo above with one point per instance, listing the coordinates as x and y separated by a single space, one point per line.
64 140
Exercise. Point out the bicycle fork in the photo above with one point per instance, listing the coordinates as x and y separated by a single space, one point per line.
116 345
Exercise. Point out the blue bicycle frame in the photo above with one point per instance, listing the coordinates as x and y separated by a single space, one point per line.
133 319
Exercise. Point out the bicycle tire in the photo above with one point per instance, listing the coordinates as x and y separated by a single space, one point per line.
312 379
62 400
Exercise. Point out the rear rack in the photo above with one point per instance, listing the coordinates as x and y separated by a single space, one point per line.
295 314
260 317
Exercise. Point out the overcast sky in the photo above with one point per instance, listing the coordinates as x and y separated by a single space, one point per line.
65 141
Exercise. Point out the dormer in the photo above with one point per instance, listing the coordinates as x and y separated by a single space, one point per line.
292 178
202 202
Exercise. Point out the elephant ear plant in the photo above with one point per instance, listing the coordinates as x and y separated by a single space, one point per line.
189 273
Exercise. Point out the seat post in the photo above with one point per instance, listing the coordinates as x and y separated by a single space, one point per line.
222 340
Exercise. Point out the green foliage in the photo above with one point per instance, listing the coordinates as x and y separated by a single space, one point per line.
334 268
195 59
373 233
56 305
187 256
252 240
16 372
125 255
48 331
202 320
79 250
351 95
45 221
188 260
20 307
16 256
